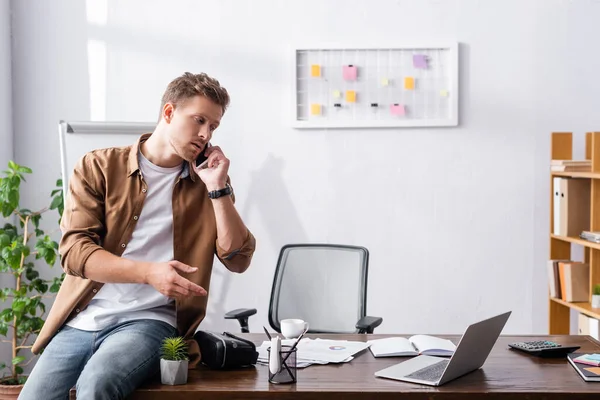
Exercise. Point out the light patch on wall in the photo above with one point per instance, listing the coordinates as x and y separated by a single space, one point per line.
97 76
97 11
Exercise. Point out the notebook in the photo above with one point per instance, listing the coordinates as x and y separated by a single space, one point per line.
413 346
589 373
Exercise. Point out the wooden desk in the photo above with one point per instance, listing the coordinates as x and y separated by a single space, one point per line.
507 374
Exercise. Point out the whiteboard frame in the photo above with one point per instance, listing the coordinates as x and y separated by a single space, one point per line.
452 47
92 127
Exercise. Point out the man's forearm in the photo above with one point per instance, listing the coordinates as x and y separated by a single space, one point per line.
231 230
103 266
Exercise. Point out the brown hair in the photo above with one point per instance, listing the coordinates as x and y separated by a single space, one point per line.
189 85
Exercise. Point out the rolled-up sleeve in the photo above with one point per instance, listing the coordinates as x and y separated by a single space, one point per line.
238 259
82 223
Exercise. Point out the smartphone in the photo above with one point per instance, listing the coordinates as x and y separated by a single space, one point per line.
202 157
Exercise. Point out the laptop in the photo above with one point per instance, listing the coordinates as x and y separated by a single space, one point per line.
473 349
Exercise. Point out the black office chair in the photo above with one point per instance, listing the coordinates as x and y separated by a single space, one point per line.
323 284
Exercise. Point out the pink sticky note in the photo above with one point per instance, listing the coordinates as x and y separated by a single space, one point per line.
349 72
397 109
419 61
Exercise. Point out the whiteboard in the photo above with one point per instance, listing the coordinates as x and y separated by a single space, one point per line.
78 138
405 86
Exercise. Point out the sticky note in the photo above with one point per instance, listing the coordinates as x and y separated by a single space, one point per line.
397 109
444 93
350 96
419 61
409 83
336 94
385 81
593 370
315 71
349 72
315 109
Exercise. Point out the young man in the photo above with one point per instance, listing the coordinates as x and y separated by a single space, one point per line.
140 229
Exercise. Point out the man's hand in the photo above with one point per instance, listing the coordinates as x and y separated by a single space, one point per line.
164 278
214 175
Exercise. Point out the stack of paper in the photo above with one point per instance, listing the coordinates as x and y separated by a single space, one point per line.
317 351
413 346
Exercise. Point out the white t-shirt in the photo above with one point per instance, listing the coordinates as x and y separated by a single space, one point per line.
151 241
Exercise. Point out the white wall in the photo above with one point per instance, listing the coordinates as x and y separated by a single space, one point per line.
6 134
447 214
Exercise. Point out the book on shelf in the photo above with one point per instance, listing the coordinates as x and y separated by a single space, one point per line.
413 346
590 236
588 373
554 278
574 281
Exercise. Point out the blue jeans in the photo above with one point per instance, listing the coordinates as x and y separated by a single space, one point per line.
106 364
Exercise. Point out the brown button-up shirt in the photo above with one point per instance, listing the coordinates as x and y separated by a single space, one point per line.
106 196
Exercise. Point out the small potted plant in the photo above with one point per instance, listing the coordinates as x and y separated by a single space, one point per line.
596 296
174 361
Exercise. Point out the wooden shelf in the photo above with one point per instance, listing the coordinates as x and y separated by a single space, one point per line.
589 175
561 148
582 242
585 308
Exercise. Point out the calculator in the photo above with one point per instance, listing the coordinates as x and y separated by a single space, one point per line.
543 348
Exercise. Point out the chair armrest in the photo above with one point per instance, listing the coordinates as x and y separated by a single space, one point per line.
240 313
368 324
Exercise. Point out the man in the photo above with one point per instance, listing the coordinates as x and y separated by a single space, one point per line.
140 229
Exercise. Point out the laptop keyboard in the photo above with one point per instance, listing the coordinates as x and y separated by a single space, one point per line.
431 373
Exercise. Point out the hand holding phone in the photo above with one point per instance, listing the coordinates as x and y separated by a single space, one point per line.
201 161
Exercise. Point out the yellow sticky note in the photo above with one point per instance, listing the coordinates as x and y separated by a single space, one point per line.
385 81
350 96
409 83
315 70
315 109
444 93
336 94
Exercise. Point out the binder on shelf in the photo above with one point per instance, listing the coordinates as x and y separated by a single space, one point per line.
556 189
574 206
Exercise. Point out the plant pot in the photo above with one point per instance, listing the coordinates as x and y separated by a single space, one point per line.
10 392
173 372
596 301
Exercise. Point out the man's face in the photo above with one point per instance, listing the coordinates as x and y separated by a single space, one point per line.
191 124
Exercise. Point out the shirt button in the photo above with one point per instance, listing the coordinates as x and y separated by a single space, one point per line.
123 245
77 310
95 290
135 217
143 190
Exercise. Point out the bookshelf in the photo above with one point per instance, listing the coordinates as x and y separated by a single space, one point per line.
561 148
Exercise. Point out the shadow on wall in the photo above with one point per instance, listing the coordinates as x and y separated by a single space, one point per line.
267 195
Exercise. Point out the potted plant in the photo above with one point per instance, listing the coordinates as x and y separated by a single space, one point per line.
22 241
174 361
596 296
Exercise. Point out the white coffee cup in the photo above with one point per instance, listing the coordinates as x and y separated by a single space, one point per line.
293 328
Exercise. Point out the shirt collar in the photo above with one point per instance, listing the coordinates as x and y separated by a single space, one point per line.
133 166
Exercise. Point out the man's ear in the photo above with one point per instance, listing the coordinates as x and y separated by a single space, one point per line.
168 111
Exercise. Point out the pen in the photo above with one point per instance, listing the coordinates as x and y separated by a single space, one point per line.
294 346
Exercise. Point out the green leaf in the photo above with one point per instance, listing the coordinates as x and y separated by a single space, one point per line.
59 183
39 232
55 192
6 314
24 170
13 198
7 209
35 220
4 240
18 306
18 369
56 202
13 166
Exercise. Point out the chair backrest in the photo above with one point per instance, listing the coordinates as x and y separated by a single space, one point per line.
323 284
